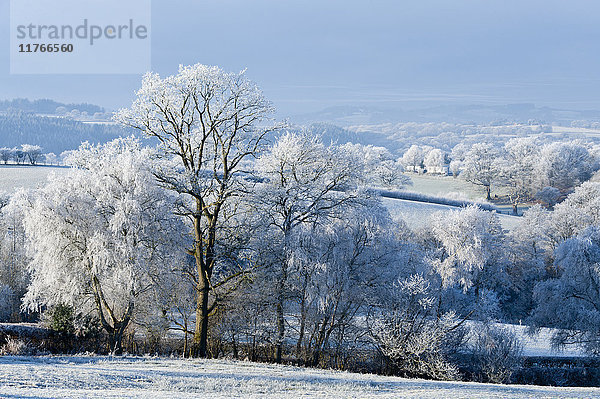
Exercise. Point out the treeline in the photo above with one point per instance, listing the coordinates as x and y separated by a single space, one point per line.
27 154
523 169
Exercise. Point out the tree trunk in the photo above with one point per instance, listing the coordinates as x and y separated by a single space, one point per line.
201 331
204 253
116 330
319 344
280 328
185 339
280 311
515 209
234 347
115 337
488 190
202 287
302 328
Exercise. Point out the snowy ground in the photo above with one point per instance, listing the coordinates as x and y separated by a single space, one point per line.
441 185
13 177
416 214
444 185
101 377
540 343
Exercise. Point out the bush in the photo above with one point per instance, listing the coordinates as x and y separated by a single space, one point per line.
62 320
413 338
497 354
71 332
16 347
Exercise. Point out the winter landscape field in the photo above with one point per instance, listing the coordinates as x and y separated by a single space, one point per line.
102 377
340 199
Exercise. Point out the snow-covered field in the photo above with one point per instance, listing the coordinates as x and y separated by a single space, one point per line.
416 214
13 177
102 377
540 343
441 185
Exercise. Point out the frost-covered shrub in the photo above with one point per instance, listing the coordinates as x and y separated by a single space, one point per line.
413 338
16 347
496 354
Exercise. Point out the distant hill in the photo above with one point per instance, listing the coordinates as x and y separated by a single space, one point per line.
464 114
334 134
47 106
53 134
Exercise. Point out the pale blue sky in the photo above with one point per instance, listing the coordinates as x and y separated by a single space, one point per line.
308 55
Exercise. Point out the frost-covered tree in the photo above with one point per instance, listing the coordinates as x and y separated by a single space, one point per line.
434 161
389 174
336 272
549 196
564 165
469 249
455 167
480 166
528 252
516 169
6 154
413 157
570 302
496 353
101 236
51 158
13 257
32 152
578 211
7 299
412 335
305 182
208 123
19 156
459 151
378 166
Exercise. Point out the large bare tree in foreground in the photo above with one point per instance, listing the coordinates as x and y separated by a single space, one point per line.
207 122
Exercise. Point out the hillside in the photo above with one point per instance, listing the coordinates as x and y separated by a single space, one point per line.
53 134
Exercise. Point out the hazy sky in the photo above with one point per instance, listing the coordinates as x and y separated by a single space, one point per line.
308 55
